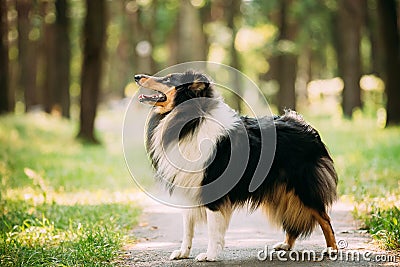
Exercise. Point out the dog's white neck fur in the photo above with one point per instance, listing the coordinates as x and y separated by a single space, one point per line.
182 163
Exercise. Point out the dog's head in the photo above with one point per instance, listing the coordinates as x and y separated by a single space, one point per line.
174 89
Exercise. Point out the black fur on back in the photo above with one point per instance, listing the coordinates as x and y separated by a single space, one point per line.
299 158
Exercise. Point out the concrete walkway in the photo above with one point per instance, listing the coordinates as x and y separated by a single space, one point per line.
160 232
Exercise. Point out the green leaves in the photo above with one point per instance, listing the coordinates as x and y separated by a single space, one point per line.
383 225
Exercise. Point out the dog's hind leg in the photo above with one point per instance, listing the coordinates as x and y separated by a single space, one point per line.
325 223
190 217
287 244
217 224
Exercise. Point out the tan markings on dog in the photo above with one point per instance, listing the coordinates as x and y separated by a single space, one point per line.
324 221
170 92
168 105
197 85
290 240
152 84
286 208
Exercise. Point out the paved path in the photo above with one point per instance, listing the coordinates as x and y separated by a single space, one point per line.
160 230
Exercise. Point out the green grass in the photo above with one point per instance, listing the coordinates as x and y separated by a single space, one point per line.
62 203
384 224
366 156
47 146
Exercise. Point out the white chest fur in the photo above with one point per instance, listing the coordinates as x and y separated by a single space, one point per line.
181 163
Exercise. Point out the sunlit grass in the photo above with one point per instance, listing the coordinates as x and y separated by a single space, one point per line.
52 234
384 224
381 217
62 203
366 156
47 146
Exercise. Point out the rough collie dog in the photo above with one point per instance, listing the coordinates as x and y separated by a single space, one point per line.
296 190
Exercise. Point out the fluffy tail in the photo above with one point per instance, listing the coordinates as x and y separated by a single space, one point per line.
316 187
326 179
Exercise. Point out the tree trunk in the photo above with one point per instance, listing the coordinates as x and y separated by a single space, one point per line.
287 60
145 42
191 36
233 10
205 18
374 35
304 76
63 56
149 33
390 35
121 62
57 60
349 20
94 41
26 54
272 73
287 81
173 45
133 22
4 82
50 62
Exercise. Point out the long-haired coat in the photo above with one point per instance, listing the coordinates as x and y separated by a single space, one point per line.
295 191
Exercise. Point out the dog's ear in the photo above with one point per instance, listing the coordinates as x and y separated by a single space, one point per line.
198 85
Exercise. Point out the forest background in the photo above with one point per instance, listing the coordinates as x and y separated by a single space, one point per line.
66 71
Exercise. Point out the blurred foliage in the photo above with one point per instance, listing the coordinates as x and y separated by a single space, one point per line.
154 27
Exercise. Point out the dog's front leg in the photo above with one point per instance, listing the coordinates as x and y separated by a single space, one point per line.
217 224
188 230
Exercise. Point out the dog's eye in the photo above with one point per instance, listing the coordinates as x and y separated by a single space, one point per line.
168 79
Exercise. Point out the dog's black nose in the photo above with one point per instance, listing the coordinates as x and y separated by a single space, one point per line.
138 77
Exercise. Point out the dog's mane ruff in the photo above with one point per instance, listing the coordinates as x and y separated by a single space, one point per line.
181 158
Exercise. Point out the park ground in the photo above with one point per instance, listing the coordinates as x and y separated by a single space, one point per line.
66 203
159 232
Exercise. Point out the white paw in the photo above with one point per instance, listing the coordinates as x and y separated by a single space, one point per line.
179 254
281 246
204 257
